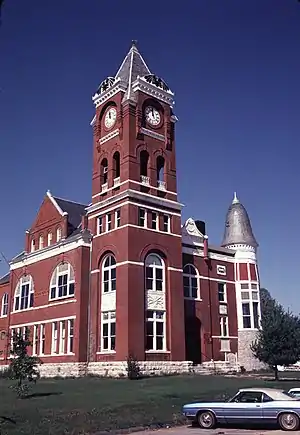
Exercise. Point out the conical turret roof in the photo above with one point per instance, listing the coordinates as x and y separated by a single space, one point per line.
238 228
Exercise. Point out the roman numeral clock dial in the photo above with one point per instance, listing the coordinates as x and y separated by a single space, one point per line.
110 117
152 116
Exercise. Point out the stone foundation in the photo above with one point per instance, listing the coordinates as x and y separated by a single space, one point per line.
245 355
63 370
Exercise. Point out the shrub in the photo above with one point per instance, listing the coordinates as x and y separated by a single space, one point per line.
133 368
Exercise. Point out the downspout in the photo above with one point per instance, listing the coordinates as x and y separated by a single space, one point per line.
89 307
208 263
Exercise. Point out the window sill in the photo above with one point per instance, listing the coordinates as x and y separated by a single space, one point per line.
3 317
22 311
193 299
61 298
106 352
157 351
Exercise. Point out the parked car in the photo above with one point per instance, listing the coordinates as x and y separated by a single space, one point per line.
249 405
295 392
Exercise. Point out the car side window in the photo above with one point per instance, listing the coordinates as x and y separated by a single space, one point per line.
249 397
267 398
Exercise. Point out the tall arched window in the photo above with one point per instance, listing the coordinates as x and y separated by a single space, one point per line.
104 171
41 241
4 305
116 164
144 159
49 238
160 167
109 275
24 293
191 282
32 247
62 284
155 275
58 234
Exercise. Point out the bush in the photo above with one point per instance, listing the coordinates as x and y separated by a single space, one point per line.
133 368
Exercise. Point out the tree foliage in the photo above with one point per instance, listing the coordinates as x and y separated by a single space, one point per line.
278 340
23 367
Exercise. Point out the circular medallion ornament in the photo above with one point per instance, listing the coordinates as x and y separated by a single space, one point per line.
110 117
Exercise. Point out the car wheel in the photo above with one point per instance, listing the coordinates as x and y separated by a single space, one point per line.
288 421
206 420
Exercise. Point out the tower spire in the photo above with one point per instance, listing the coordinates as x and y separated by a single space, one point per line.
235 199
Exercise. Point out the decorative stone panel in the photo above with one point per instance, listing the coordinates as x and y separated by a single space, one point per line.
245 355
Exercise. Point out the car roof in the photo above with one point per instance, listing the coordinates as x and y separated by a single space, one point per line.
274 393
294 389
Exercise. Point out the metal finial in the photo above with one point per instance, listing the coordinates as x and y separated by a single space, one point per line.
134 43
235 199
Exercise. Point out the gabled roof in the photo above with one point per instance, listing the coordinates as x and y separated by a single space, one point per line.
5 279
75 210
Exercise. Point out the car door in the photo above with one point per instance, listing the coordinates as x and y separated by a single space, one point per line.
246 407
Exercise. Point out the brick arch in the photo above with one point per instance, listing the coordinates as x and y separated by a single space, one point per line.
154 249
152 102
103 155
141 147
108 249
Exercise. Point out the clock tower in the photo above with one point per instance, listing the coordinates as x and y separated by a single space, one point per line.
137 305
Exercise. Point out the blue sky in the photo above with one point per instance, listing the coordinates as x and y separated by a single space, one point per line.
235 68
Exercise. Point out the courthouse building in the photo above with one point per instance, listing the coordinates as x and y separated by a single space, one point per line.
122 275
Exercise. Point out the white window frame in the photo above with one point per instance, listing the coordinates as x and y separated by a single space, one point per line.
250 297
142 217
32 246
108 222
4 305
49 238
155 267
24 281
221 269
166 223
109 264
118 218
42 339
61 270
224 326
41 241
108 318
54 338
190 278
159 316
154 221
35 340
70 339
100 226
225 292
62 337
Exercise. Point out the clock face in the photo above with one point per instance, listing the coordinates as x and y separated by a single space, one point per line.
152 116
110 117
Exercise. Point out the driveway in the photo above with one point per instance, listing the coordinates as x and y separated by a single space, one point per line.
188 430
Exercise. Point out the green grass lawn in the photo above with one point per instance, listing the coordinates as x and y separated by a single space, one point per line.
90 405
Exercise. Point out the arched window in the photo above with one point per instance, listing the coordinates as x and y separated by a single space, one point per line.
41 241
191 282
4 305
104 171
144 159
155 276
32 248
160 167
62 284
109 275
24 293
58 234
49 238
116 164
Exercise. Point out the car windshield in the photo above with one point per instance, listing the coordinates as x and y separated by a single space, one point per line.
289 394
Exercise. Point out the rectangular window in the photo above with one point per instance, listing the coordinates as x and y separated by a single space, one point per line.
155 330
224 326
154 220
253 286
4 305
221 292
108 332
63 285
62 336
35 341
142 222
118 218
245 296
244 286
255 315
221 270
42 339
246 315
166 223
108 222
100 225
70 347
54 337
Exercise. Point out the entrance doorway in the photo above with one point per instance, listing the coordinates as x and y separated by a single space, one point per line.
193 340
